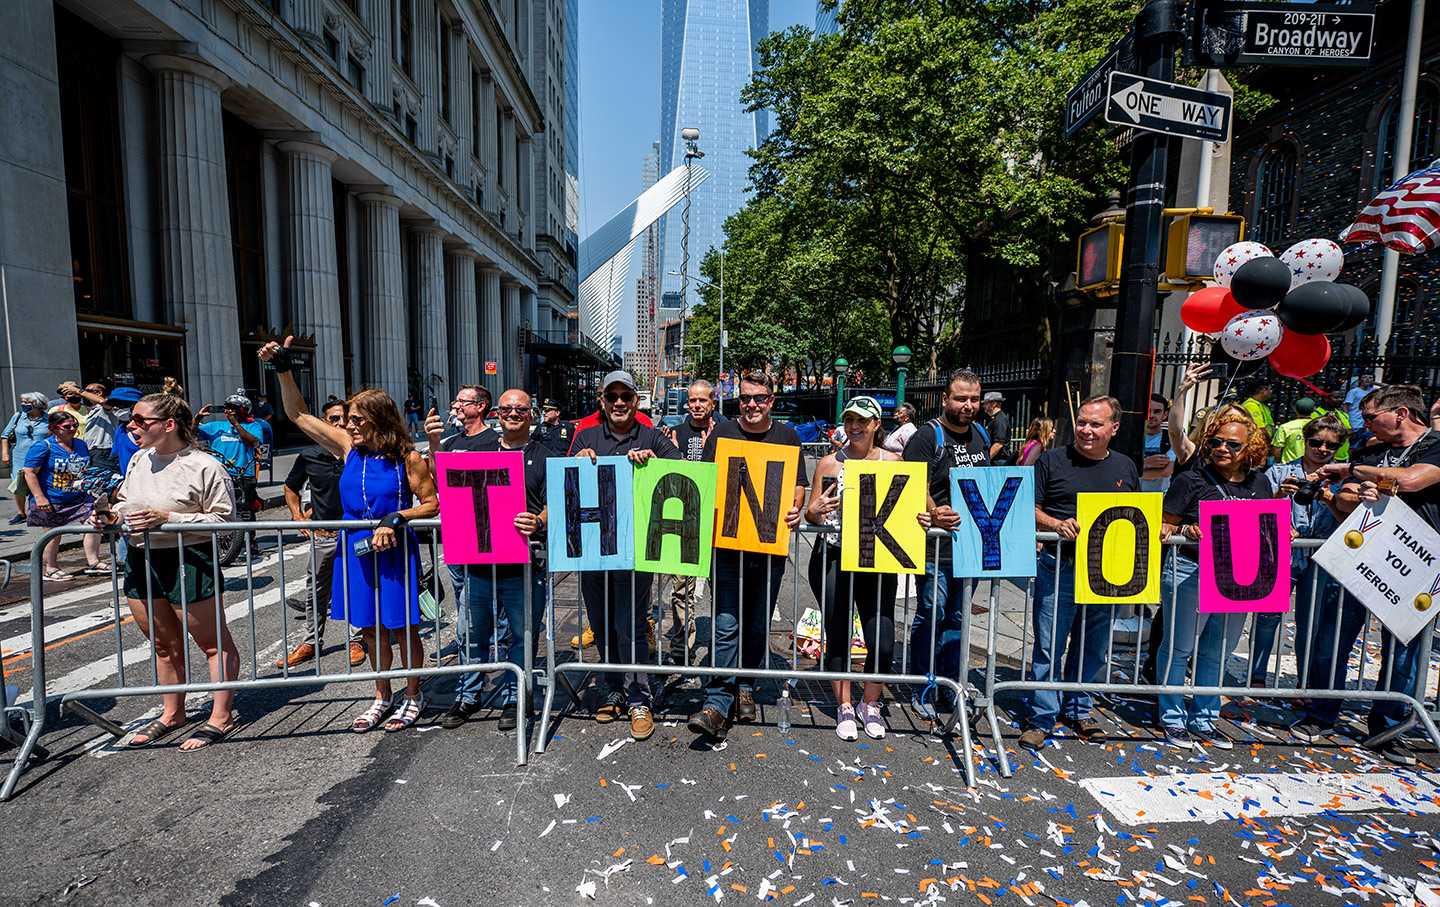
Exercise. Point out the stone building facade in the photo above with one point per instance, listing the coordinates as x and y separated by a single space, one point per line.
181 180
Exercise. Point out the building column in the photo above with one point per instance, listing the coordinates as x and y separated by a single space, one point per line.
463 316
491 347
196 260
382 295
305 19
529 318
510 333
311 273
432 356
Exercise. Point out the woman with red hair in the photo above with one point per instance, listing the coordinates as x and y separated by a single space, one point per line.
1232 452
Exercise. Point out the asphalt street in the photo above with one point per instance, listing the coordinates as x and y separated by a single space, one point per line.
295 809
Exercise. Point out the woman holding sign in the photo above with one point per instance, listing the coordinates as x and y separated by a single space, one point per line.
1230 453
377 572
873 594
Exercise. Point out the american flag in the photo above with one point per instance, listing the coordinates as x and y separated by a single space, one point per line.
1405 217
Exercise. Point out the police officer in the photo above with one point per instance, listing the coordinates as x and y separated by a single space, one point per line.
555 433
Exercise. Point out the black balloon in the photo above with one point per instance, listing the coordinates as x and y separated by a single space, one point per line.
1317 307
1260 283
1359 307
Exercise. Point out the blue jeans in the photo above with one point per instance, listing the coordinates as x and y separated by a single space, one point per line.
946 650
1180 600
1088 626
742 619
1328 671
487 591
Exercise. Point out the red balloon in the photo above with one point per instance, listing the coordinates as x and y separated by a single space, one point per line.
1209 310
1300 355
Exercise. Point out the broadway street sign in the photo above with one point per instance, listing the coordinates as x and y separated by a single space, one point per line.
1088 95
1166 107
1280 33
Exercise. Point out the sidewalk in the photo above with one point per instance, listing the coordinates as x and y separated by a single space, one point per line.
17 541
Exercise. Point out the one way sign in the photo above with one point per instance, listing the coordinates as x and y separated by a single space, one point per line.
1158 106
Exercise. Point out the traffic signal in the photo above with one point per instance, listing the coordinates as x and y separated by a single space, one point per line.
1098 264
1193 243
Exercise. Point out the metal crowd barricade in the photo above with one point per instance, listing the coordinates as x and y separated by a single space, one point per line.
751 667
1422 713
285 676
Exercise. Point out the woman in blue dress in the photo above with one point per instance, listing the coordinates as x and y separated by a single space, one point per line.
377 573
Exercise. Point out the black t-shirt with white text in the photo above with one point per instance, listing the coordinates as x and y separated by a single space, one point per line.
691 441
1064 472
967 448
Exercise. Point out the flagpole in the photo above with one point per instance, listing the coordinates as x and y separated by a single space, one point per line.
1404 129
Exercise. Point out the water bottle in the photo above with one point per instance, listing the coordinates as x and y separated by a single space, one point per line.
782 724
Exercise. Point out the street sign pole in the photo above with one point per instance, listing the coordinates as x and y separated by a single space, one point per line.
1157 27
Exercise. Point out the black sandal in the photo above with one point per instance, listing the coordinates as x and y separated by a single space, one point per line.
207 734
154 731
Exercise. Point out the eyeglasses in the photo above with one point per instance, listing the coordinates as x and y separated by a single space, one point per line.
68 426
1327 445
753 398
142 421
621 397
513 410
464 402
1367 418
1227 443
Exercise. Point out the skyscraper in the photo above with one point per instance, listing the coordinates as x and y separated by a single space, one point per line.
825 23
647 288
707 55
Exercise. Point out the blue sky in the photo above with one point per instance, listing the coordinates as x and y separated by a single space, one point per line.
620 96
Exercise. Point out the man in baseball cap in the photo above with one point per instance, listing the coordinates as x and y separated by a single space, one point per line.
554 432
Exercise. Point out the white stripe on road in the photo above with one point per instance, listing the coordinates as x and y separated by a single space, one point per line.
1225 795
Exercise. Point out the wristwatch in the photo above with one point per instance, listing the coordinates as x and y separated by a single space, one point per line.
1351 471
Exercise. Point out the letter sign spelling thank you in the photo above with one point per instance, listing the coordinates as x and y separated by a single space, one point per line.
674 522
1117 556
591 510
996 534
480 494
878 506
756 487
1245 555
1389 558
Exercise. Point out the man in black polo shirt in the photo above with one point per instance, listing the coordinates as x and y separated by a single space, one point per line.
618 601
321 469
955 438
1407 462
1088 465
500 588
742 609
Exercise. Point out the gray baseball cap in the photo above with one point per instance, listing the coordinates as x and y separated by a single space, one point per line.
618 377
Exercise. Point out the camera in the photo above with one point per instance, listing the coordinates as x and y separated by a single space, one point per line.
1306 494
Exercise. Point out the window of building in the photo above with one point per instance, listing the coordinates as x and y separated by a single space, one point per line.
89 123
1274 195
499 147
1422 139
405 36
355 73
445 70
332 47
247 235
450 166
411 129
342 258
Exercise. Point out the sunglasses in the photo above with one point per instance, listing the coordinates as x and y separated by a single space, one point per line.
1367 418
1228 444
355 420
513 410
754 398
335 418
143 421
622 397
1326 445
68 426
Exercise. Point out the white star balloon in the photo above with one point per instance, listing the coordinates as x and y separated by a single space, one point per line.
1252 335
1236 255
1313 259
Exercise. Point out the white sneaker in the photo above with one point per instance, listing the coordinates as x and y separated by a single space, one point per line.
870 717
845 727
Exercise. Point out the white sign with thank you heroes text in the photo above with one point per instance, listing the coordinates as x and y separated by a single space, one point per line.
1388 557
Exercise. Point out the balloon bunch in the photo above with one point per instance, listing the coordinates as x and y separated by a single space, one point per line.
1280 308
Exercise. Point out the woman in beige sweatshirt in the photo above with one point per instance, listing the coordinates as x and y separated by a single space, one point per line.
169 481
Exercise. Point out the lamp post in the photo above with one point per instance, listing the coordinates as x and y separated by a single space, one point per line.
720 370
689 135
842 367
900 356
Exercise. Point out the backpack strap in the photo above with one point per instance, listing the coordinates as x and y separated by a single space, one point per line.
940 437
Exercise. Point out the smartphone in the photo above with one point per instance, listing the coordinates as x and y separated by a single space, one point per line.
1219 371
827 483
362 547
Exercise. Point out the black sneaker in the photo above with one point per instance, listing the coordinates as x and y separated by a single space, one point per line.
458 713
1397 753
1308 730
509 717
1212 738
1178 736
